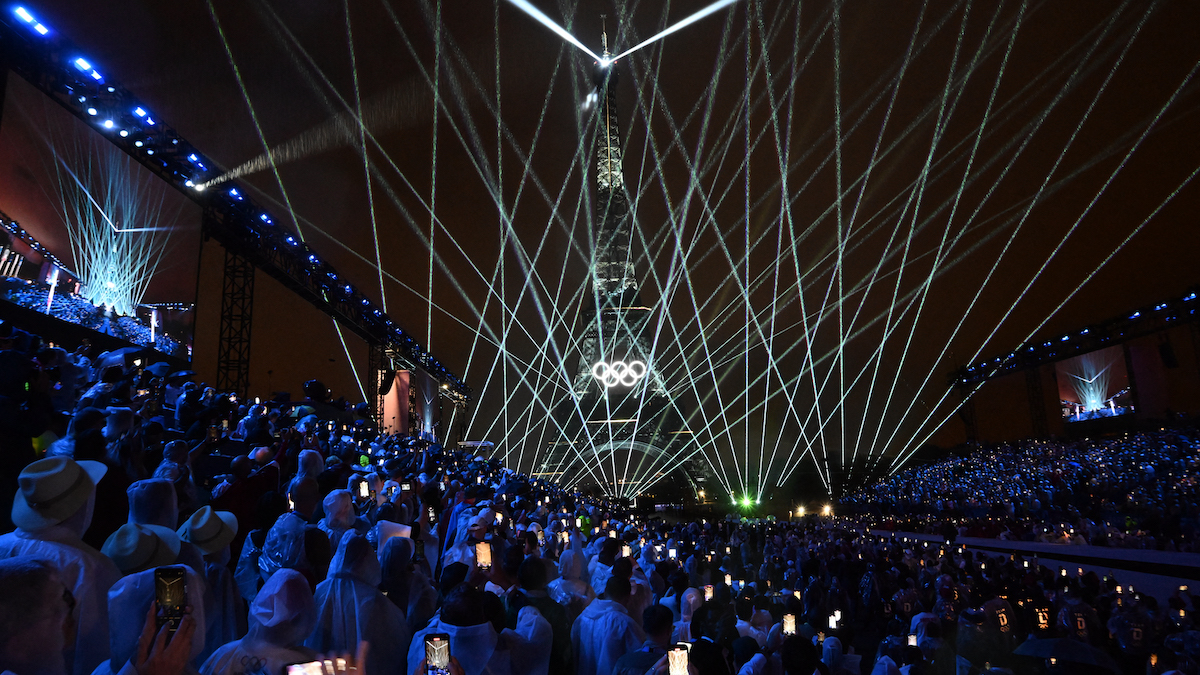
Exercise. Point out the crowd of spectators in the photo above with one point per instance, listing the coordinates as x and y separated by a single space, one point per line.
1138 490
78 310
306 540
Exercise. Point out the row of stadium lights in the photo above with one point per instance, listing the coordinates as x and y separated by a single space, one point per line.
1000 362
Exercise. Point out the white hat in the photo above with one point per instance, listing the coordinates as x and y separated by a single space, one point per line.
135 547
209 530
53 489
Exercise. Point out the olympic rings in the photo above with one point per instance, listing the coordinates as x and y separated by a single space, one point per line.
619 373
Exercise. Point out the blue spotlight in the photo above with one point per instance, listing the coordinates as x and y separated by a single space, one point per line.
83 65
290 239
91 111
139 112
108 124
25 16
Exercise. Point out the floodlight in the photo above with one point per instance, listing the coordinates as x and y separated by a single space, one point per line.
82 64
25 16
139 112
42 30
108 124
91 111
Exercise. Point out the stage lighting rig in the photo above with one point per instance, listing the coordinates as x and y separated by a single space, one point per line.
55 66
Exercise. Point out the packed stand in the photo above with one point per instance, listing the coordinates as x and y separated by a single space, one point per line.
182 530
78 310
1136 491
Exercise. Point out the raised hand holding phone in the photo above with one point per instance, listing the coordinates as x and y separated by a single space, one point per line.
154 655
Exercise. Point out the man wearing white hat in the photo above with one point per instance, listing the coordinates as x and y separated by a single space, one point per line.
52 510
211 532
135 547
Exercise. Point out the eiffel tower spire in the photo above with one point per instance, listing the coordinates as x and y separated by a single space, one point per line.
614 281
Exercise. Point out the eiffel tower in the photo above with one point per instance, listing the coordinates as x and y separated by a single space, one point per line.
620 424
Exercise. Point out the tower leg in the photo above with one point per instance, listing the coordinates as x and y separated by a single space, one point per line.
237 310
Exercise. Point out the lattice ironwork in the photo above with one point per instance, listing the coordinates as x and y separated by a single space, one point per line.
237 318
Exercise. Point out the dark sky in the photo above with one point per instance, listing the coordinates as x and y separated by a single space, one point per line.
1034 172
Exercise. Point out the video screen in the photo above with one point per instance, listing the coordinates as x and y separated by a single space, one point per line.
90 236
1094 385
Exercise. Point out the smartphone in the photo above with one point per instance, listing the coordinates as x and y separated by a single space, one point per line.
789 624
418 549
612 534
310 668
432 515
626 551
437 654
912 640
291 503
729 580
392 490
677 660
578 523
483 555
406 487
364 490
224 425
798 594
542 538
143 392
170 594
833 622
708 592
214 433
1183 589
499 518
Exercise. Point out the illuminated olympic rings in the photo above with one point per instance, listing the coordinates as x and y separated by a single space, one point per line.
619 373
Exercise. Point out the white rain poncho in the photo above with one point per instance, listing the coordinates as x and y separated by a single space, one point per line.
282 616
154 502
339 516
284 546
128 602
601 635
569 589
310 465
481 651
408 588
351 609
226 615
87 572
689 603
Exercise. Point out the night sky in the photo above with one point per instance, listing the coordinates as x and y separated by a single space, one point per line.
1036 174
